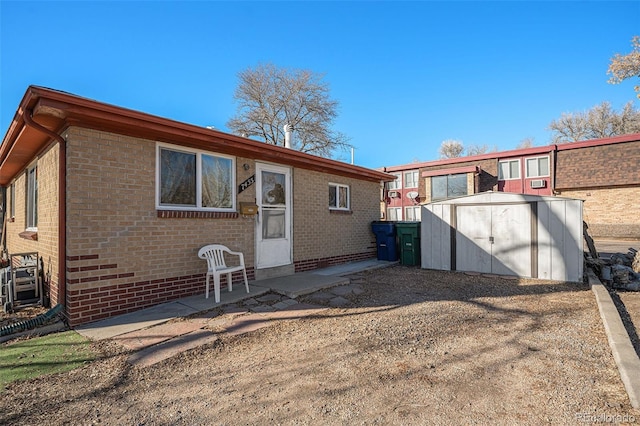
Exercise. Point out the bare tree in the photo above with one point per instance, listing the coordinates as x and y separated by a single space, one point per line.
525 143
626 66
478 149
599 122
451 148
269 97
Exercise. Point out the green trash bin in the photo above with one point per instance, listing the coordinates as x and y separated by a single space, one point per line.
409 242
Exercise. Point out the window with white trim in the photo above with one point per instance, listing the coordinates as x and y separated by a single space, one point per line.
339 197
411 179
394 213
509 169
395 184
412 213
32 197
189 179
537 167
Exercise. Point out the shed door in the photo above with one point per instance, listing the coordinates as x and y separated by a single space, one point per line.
273 229
494 239
473 238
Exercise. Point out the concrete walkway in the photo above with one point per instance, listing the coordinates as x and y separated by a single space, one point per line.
155 333
291 286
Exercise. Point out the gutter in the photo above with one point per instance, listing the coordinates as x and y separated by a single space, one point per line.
62 205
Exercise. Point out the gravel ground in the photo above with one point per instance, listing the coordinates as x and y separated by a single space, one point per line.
416 347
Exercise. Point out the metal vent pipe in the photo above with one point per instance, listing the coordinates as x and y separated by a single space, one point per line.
288 128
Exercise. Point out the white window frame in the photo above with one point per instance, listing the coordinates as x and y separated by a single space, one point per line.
537 175
395 184
414 179
198 153
414 216
397 211
31 198
338 187
501 177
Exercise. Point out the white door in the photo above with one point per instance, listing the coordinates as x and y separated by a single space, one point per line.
511 231
473 238
494 238
273 230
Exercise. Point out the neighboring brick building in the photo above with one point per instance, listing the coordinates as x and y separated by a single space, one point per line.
605 173
117 203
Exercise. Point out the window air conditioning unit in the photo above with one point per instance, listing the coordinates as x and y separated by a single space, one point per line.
394 194
538 183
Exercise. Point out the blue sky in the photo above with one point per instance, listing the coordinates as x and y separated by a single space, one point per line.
407 75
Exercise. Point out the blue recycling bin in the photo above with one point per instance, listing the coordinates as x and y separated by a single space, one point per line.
385 233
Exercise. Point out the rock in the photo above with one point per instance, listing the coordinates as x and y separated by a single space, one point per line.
339 302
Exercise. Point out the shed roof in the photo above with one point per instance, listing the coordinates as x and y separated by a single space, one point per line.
491 197
54 111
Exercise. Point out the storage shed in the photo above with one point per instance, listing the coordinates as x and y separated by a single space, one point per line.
505 234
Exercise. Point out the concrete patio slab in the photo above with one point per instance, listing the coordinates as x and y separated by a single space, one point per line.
141 319
302 283
145 318
291 286
353 267
199 303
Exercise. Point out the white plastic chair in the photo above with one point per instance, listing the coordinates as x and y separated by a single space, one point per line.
214 255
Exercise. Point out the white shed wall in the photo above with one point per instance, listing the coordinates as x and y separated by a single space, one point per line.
560 253
556 234
435 237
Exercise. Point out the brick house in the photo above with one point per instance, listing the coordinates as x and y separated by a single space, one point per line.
604 173
117 203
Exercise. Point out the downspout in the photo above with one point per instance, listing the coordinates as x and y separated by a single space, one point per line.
62 204
554 160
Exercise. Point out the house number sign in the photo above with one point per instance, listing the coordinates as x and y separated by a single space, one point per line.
247 183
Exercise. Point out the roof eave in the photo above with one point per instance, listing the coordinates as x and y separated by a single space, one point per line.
58 110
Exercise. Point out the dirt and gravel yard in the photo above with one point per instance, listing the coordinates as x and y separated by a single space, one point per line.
417 347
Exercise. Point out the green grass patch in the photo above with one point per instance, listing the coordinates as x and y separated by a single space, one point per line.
54 353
